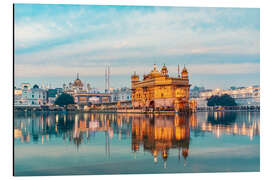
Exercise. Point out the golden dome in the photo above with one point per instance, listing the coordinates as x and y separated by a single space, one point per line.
164 70
164 67
155 72
135 77
184 73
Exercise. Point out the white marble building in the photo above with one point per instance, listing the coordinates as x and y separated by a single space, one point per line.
247 96
123 94
27 96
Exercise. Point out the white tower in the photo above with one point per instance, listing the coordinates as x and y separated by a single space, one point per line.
107 78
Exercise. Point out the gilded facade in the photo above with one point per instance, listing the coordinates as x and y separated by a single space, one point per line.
159 91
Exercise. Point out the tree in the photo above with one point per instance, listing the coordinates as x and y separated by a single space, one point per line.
196 88
64 99
224 100
35 86
227 100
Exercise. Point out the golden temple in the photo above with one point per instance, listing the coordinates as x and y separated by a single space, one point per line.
158 91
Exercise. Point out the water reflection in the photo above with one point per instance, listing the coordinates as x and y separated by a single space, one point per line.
154 134
231 123
158 134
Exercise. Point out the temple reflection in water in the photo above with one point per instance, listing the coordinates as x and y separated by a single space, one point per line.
155 134
159 134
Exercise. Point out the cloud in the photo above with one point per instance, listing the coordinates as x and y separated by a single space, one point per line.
145 46
60 71
30 34
244 68
85 38
162 29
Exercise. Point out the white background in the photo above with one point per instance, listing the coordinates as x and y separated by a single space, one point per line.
6 79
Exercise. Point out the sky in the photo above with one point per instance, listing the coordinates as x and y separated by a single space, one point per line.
220 47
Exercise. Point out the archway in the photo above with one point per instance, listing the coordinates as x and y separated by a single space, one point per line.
152 104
